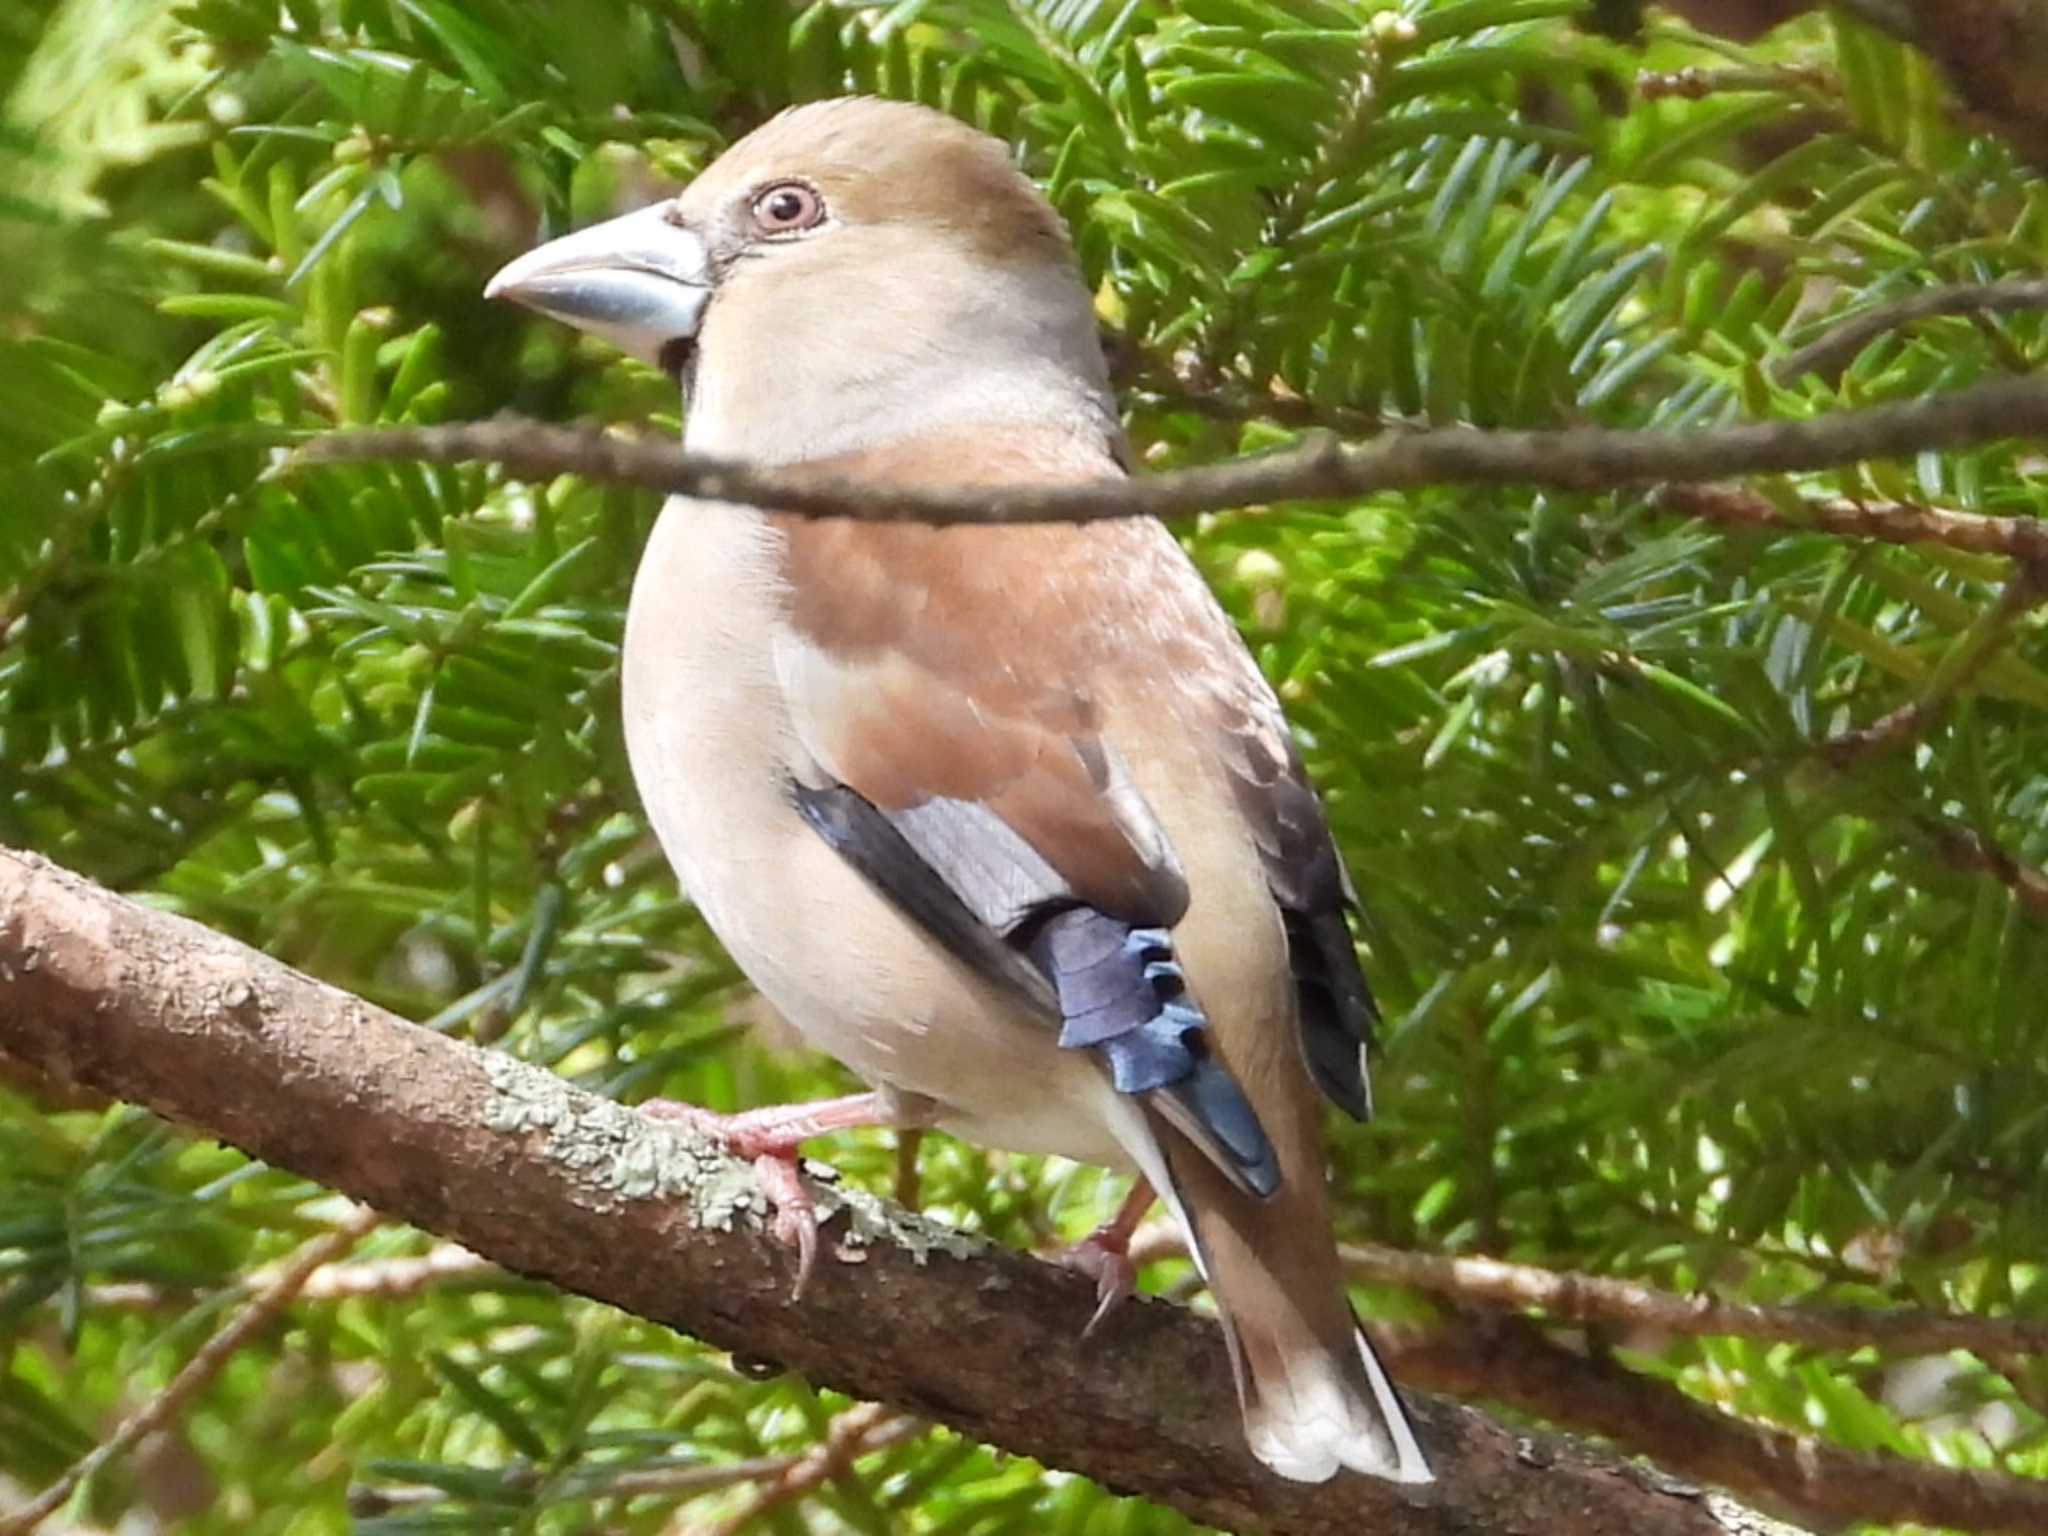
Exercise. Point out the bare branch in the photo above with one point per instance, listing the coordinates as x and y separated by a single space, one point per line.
1891 522
1694 83
518 1166
1832 351
444 1265
1569 1296
660 1479
1973 851
1178 382
399 1276
1583 459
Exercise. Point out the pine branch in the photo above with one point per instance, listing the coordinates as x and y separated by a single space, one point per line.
1969 656
1820 1485
852 1435
1581 459
517 1165
1976 853
270 1298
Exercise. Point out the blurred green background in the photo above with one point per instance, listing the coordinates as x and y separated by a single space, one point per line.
1670 993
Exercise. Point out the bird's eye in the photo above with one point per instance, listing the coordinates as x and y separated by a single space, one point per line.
788 208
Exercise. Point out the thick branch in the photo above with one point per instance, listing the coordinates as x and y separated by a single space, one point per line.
1583 459
550 1182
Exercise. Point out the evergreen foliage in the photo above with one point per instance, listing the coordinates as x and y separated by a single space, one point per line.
1672 992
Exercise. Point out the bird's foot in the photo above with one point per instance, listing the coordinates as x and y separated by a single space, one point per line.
768 1139
1105 1256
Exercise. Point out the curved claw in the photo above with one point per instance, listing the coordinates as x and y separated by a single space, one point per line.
768 1140
795 1221
1103 1254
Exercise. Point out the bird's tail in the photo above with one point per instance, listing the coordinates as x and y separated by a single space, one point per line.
1314 1396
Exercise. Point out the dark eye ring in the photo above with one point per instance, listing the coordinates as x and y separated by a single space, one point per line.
787 208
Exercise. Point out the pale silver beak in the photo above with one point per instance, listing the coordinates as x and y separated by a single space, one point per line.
640 282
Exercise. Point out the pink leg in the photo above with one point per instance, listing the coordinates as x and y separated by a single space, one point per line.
1105 1253
769 1138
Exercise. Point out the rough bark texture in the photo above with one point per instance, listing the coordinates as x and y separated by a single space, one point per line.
102 993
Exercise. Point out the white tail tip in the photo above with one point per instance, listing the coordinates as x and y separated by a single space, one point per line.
1319 1424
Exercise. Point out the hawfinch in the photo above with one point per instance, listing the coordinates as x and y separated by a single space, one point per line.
1004 818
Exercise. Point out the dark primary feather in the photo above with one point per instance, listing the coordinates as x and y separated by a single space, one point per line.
867 840
1336 1007
1308 881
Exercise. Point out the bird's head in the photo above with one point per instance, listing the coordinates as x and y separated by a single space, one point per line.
851 272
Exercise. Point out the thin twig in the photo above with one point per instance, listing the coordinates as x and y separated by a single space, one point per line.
1973 851
1834 348
1891 522
1177 384
700 1478
1583 459
685 1479
1972 653
852 1435
1695 83
264 1305
399 1275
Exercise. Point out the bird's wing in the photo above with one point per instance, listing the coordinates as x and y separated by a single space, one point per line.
949 746
1310 885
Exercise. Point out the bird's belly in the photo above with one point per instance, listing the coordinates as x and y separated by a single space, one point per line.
708 733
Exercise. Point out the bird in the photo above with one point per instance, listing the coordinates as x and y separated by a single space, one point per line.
1005 817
